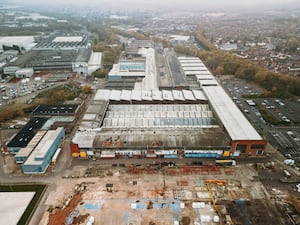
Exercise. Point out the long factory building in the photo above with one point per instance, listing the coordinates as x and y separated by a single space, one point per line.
37 142
201 122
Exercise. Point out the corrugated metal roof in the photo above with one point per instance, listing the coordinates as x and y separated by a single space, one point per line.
157 95
192 64
125 95
208 83
147 95
68 39
177 95
115 95
139 95
167 95
196 68
25 152
198 72
153 115
84 139
199 95
38 154
188 95
188 59
24 136
236 124
205 77
204 72
102 94
136 95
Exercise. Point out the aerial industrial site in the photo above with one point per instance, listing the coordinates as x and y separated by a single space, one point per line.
157 134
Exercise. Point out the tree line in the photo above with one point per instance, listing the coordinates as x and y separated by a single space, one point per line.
276 85
224 63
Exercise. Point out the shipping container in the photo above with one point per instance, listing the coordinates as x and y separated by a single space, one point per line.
83 155
75 154
55 156
74 148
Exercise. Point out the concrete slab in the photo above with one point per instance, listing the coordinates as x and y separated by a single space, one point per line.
13 205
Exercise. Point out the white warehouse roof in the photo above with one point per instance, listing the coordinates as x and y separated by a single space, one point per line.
26 42
39 153
178 95
236 124
185 64
188 59
188 95
208 82
154 95
194 68
157 95
167 95
147 95
136 95
205 77
102 94
84 139
68 39
199 95
115 95
198 72
125 95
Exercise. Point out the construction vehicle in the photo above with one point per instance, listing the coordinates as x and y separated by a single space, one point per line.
213 201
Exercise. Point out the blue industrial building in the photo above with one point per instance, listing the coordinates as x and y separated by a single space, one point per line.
40 158
24 136
24 153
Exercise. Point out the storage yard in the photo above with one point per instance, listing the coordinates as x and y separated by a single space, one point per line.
156 194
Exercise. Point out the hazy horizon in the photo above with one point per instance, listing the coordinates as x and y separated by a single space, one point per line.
166 4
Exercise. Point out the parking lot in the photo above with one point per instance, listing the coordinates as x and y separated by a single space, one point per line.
24 87
275 119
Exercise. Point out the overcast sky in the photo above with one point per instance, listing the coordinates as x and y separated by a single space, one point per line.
211 4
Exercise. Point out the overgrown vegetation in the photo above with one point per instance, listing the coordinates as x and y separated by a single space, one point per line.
106 41
86 89
205 44
54 96
11 111
60 94
37 188
276 85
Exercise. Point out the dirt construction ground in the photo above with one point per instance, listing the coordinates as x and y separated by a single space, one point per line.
143 196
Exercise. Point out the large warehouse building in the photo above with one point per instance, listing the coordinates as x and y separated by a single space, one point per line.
40 157
149 122
245 140
36 143
63 54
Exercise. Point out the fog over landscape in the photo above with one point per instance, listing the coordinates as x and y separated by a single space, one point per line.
167 4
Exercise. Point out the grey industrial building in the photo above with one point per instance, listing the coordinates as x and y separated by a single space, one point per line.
65 54
152 122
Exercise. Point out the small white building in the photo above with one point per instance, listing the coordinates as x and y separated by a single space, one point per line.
24 73
80 66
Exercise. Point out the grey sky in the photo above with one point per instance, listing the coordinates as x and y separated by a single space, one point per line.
218 4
